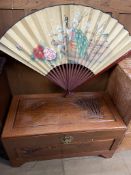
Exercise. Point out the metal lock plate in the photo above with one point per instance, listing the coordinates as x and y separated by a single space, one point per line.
66 139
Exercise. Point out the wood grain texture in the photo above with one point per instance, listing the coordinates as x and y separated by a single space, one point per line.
105 5
40 116
119 88
125 20
125 65
38 127
6 4
9 18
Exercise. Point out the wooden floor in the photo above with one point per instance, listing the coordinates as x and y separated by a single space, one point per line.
120 164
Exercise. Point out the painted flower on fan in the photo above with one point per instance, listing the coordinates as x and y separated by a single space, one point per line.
50 54
38 52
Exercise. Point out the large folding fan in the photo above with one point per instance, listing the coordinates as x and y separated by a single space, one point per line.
67 43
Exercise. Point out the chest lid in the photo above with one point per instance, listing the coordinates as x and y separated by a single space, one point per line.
52 113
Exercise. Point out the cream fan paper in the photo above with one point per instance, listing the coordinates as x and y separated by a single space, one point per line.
66 34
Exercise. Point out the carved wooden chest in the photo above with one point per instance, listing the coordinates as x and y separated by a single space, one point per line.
50 126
